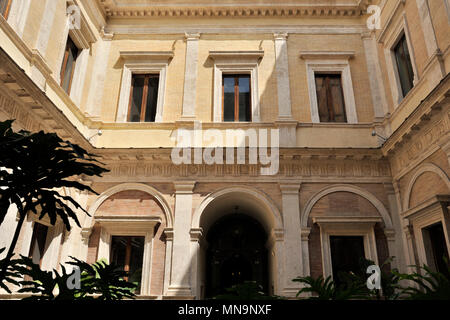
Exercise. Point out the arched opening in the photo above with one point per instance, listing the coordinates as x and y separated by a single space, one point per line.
236 253
261 223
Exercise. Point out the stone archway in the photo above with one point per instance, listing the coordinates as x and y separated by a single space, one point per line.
236 253
252 206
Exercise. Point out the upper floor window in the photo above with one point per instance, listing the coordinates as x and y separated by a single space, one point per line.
5 6
404 65
68 66
143 98
236 98
236 95
330 86
142 92
330 98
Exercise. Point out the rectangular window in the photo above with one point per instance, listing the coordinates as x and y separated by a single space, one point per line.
346 255
436 247
68 66
128 254
404 65
143 98
5 6
236 99
330 98
38 241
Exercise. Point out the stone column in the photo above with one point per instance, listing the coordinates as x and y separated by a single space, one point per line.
293 261
431 42
97 87
18 15
285 123
395 237
26 236
410 246
50 260
179 284
46 26
190 77
305 251
168 233
275 247
375 76
282 71
196 237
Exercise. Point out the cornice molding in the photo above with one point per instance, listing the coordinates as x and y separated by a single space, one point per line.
112 10
147 55
241 55
312 55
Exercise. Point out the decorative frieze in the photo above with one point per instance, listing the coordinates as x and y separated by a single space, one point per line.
111 9
289 168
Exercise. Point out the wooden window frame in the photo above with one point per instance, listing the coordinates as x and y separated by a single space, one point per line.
403 42
330 104
146 77
127 261
236 96
64 65
5 14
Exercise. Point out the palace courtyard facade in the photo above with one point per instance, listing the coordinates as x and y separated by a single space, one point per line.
351 98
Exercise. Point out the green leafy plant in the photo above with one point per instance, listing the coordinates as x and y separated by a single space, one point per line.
429 285
98 281
33 167
104 280
10 272
326 289
389 280
249 290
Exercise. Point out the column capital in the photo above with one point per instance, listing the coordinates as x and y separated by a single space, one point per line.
105 35
304 233
184 187
168 234
85 234
191 36
196 234
390 234
280 36
289 188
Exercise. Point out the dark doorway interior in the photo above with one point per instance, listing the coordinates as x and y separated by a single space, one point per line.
236 253
436 247
346 255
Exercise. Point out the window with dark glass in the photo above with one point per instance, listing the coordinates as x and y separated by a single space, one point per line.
68 66
436 247
236 98
128 253
143 98
404 65
38 241
346 255
5 6
330 98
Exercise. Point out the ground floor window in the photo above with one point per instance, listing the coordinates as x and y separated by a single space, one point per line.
128 253
38 241
435 247
347 253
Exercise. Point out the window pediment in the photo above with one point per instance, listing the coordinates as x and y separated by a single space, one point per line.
147 55
327 55
241 56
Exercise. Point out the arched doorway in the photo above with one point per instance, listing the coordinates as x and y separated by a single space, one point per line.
236 253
